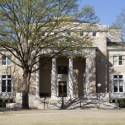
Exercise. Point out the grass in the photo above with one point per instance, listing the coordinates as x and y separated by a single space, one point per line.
63 117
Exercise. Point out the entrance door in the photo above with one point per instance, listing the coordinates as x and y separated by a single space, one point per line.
62 89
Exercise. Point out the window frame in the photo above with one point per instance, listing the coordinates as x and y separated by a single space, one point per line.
6 79
68 33
63 71
62 83
6 61
118 79
81 33
118 60
94 34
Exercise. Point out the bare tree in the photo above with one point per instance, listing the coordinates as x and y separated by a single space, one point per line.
28 27
119 26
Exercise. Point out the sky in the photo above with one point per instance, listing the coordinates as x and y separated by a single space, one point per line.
106 10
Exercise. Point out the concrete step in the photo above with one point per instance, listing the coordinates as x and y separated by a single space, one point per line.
73 104
67 103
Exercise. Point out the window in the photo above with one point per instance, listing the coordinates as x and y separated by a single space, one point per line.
118 83
43 33
6 83
81 33
94 34
56 33
6 61
62 69
68 33
117 60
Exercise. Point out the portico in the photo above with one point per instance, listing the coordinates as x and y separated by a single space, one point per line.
67 76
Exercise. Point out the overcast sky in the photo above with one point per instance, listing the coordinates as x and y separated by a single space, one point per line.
106 10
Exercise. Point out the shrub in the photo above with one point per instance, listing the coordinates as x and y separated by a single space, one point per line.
3 104
121 103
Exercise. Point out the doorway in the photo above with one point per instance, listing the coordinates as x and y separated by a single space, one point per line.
62 89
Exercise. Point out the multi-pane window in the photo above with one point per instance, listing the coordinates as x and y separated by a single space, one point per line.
6 61
6 83
117 60
68 33
62 70
118 83
81 33
94 34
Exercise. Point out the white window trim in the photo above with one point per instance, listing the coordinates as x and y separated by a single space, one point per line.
6 79
117 60
118 86
118 94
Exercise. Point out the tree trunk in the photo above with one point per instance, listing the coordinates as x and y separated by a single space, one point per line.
25 100
25 90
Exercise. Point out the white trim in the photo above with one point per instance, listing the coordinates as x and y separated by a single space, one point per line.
116 53
117 65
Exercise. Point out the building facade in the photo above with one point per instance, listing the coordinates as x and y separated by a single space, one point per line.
69 81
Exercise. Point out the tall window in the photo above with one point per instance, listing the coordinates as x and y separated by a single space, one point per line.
6 83
6 61
117 60
62 69
118 83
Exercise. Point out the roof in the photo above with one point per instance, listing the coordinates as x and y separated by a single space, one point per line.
115 44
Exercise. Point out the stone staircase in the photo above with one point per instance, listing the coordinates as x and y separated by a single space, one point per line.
75 103
99 101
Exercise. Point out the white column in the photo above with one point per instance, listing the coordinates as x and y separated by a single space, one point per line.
87 75
37 78
70 77
53 78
